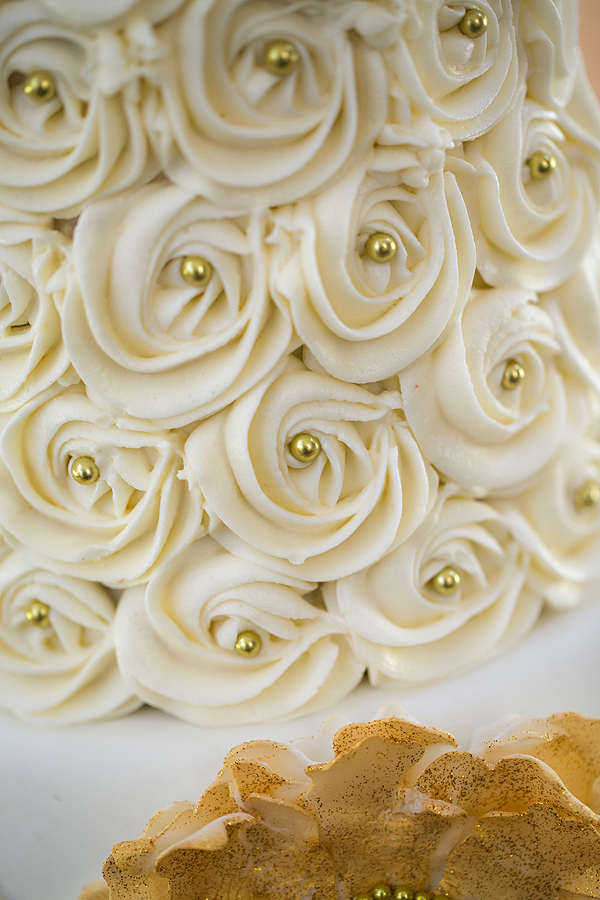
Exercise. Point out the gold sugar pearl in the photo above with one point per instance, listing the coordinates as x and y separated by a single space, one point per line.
381 247
446 582
513 375
305 447
38 614
84 470
196 270
40 86
381 892
403 893
474 23
541 165
363 897
280 57
248 644
421 895
587 495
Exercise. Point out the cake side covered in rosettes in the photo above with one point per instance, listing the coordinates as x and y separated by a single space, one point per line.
299 376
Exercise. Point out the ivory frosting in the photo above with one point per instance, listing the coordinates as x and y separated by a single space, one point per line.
188 619
168 132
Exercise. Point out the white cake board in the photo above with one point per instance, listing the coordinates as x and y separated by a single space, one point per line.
67 795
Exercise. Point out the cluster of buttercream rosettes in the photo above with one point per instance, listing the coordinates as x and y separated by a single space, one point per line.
299 330
383 810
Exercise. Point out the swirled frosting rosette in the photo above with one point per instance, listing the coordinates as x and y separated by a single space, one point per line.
549 31
32 354
82 134
147 342
365 492
490 406
532 226
229 128
408 628
463 82
558 520
364 319
142 507
574 308
57 655
178 642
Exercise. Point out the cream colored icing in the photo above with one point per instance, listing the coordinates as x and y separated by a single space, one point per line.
97 12
89 139
168 136
143 509
176 642
476 432
548 29
563 539
144 341
226 128
365 320
532 233
32 354
65 672
574 308
404 630
464 84
366 492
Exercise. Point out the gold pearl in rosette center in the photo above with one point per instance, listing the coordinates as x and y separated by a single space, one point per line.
38 614
474 23
305 447
280 57
513 375
248 644
541 165
40 86
381 247
587 495
84 470
196 270
446 582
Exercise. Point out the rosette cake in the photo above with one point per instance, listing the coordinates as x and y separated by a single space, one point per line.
299 323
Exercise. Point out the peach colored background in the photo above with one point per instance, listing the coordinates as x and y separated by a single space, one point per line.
589 35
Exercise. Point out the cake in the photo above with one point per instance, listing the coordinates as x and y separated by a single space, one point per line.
299 356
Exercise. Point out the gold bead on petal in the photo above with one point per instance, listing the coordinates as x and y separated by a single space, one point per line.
541 165
381 247
446 582
196 270
403 893
305 447
248 644
474 23
514 373
587 495
281 57
84 470
38 614
381 892
40 86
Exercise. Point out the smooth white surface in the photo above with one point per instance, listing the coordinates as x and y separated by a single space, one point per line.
74 792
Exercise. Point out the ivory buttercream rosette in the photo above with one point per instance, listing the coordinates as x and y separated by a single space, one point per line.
382 809
299 368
